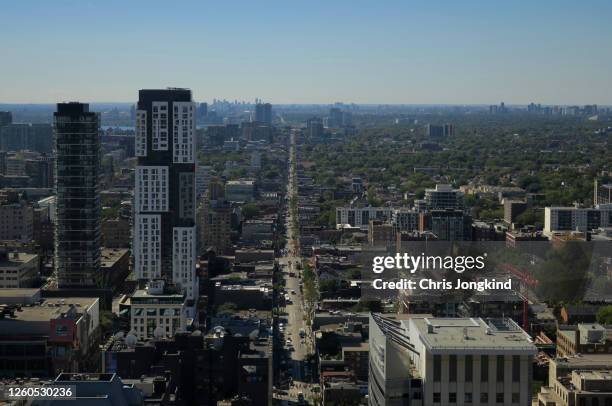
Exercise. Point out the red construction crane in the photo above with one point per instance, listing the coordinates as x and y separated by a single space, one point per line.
527 281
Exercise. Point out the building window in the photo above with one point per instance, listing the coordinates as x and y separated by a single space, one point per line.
499 398
468 398
484 368
437 368
500 368
452 368
516 397
516 368
484 397
452 397
437 397
469 368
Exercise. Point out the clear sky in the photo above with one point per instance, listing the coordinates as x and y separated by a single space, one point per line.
309 51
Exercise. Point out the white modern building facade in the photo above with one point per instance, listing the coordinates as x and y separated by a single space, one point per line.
449 361
568 219
360 216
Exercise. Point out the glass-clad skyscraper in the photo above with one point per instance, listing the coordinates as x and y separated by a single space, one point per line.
77 184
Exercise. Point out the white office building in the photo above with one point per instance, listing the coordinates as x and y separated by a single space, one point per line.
427 361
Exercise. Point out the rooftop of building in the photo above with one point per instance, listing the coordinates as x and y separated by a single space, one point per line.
15 259
584 361
244 182
257 286
167 94
470 333
242 323
587 381
245 250
234 275
592 375
598 207
363 346
261 220
590 333
11 293
90 377
146 293
441 188
46 310
110 256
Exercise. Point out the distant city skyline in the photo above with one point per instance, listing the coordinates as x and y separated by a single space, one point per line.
395 52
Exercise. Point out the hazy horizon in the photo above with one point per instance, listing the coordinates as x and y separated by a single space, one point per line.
348 103
418 53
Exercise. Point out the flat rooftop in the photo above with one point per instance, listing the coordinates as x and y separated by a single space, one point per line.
84 377
593 375
145 294
470 333
584 361
240 182
18 293
15 260
110 256
49 309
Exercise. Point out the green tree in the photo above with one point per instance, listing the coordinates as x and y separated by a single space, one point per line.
531 217
249 211
106 322
604 315
227 309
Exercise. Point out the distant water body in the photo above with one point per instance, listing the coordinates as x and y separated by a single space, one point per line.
120 127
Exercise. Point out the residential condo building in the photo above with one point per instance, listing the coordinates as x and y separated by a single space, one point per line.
77 186
361 216
443 197
568 219
164 195
263 113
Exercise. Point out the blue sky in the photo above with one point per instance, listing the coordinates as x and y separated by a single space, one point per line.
472 52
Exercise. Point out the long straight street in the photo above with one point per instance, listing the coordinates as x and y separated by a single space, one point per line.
292 329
